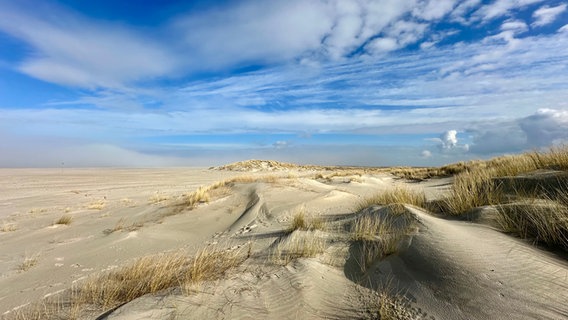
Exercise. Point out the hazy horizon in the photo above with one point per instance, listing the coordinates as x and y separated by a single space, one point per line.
205 83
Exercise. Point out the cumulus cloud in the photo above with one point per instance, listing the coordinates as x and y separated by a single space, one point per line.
546 127
448 143
426 154
449 139
546 15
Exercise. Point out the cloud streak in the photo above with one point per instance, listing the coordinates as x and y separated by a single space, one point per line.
72 50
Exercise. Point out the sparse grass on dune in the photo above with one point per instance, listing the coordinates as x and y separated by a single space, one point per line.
476 187
544 221
399 194
8 227
302 220
158 197
379 234
534 214
65 219
28 263
146 275
97 205
384 306
299 244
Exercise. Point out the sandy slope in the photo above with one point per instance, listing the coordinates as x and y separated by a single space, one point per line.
445 269
461 270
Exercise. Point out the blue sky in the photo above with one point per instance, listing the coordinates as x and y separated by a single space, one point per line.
182 83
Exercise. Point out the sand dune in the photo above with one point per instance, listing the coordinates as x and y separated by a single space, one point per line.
326 267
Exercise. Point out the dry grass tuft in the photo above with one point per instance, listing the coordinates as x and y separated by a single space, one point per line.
384 306
28 263
201 195
8 227
544 221
378 233
475 186
301 220
299 244
399 194
146 275
158 197
155 273
65 219
97 205
470 190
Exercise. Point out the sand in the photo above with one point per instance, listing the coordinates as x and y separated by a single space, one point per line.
442 268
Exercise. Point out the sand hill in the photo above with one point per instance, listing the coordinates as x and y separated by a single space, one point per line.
292 244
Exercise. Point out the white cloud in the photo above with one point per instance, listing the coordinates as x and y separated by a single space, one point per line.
280 30
254 31
433 9
546 127
517 26
563 29
380 45
426 154
449 139
501 8
280 144
546 15
462 9
72 50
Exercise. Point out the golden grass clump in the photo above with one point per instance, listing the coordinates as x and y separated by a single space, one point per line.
28 263
301 220
399 194
8 227
470 190
158 197
299 244
97 205
545 221
377 233
146 275
476 187
65 219
385 306
201 195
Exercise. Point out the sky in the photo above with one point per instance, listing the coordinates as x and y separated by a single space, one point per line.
346 82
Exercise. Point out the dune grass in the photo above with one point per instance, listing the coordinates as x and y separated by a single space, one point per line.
302 220
28 263
146 275
476 187
399 194
8 227
379 235
544 221
97 205
65 219
385 306
158 198
535 215
299 244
